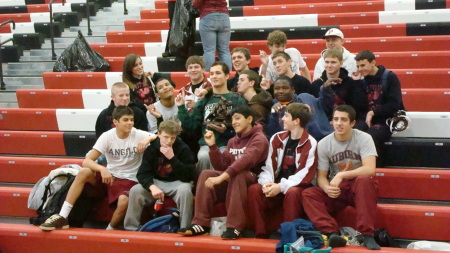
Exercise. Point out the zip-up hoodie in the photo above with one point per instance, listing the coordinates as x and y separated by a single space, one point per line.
305 161
244 152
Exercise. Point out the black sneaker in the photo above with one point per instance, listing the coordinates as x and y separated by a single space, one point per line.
336 241
231 234
55 221
193 230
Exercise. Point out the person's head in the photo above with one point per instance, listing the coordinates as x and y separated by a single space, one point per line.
334 38
283 89
132 68
343 119
164 88
120 94
248 79
276 41
366 63
333 61
282 63
123 118
195 67
296 115
168 131
219 73
242 119
240 57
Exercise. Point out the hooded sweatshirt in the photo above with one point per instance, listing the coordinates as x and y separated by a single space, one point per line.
349 92
244 152
348 58
261 104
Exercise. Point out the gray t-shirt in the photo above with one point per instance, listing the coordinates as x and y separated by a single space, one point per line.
336 156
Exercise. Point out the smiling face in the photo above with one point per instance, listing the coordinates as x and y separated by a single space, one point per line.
195 72
281 65
165 89
124 124
283 91
120 96
332 65
334 42
277 48
217 76
288 123
366 68
138 70
239 61
342 124
241 124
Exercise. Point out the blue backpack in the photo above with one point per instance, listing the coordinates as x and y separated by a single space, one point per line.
164 224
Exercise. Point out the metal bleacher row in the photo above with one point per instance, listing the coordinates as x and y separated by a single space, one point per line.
55 125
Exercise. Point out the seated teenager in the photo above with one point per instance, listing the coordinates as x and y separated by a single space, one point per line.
319 125
167 169
165 108
290 167
123 147
141 88
346 166
236 168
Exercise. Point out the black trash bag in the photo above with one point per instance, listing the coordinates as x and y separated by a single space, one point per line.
182 32
80 57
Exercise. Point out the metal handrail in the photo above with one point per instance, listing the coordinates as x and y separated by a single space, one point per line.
9 21
3 85
52 39
125 11
88 15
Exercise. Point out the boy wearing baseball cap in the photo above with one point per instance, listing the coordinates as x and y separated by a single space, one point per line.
334 38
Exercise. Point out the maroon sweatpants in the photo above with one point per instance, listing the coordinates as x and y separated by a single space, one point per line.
258 205
360 193
233 191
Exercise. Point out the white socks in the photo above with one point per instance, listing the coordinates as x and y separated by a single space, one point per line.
65 209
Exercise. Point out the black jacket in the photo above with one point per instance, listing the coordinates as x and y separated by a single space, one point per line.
182 164
105 122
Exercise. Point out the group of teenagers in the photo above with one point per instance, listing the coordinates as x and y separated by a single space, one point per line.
309 149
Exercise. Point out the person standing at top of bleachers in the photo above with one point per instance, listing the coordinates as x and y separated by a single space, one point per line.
289 169
277 41
346 166
165 108
334 38
123 147
215 30
240 57
346 90
194 122
141 88
120 95
385 99
282 63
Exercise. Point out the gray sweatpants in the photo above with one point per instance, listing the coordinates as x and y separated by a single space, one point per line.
139 197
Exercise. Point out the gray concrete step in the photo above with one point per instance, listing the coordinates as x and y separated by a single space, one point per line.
8 99
21 82
30 65
36 58
22 72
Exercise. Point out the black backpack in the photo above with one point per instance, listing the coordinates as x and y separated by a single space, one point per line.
79 211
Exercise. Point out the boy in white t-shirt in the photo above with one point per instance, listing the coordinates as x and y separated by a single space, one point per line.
123 147
276 41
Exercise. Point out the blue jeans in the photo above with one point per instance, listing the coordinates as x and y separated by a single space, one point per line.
215 33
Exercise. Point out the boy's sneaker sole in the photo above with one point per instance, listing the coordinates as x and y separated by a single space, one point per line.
53 228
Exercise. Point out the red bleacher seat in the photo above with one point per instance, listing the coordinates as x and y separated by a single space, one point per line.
32 143
155 14
40 98
147 24
74 80
17 17
133 36
423 100
29 119
419 184
30 169
14 202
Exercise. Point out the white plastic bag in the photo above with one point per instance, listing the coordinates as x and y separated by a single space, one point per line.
218 226
428 245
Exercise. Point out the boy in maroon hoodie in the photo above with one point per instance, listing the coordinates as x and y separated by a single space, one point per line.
236 169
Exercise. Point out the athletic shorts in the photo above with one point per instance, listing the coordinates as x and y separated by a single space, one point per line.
101 190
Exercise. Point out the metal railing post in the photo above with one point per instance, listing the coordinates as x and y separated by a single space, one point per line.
125 11
2 84
52 39
88 15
